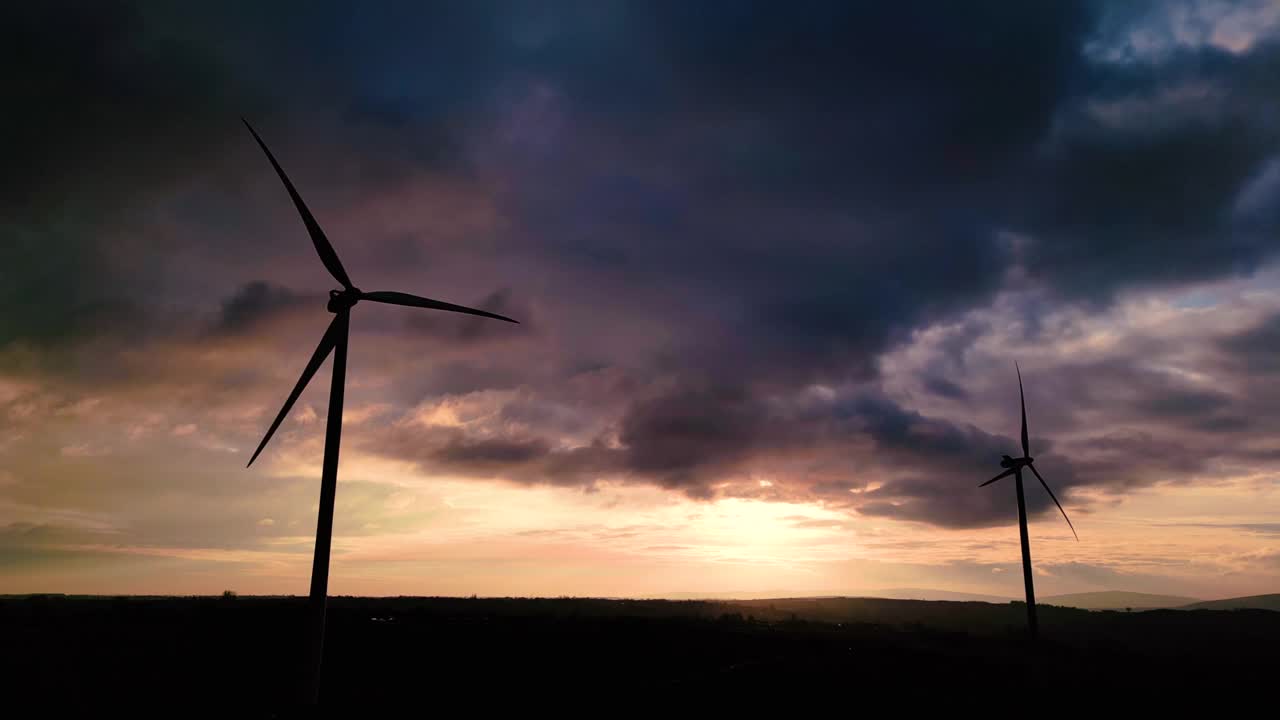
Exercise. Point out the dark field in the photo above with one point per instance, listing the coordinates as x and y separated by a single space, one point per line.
241 655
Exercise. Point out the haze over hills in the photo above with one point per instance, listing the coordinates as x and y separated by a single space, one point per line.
928 594
730 595
886 593
1118 600
1100 600
1253 602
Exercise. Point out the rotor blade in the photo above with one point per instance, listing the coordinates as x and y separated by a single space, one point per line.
326 345
1055 500
1004 474
399 298
323 247
1026 449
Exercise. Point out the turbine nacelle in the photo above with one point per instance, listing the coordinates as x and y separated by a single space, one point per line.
1011 462
345 299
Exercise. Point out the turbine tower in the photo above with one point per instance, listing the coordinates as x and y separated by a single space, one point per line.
1014 466
333 341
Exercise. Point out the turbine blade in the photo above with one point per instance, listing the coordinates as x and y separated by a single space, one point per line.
324 248
1004 474
1055 500
399 298
1026 446
326 346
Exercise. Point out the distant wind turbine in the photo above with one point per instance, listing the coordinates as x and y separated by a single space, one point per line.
334 341
1014 467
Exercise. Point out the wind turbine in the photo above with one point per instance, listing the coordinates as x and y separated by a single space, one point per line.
333 341
1014 466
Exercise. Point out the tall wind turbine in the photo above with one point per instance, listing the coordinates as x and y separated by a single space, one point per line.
1014 466
333 341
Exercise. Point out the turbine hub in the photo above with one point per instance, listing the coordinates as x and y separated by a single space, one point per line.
340 300
1012 462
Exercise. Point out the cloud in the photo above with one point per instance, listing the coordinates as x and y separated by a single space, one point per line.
1258 346
252 303
673 436
73 188
1258 528
794 244
1188 124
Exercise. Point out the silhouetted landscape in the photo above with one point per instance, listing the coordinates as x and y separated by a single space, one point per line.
102 651
727 310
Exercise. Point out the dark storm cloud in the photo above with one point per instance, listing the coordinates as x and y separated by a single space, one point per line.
727 204
685 437
931 468
102 110
850 163
254 302
905 432
520 458
869 103
102 103
673 436
944 387
886 144
694 438
1191 403
495 453
1258 347
119 104
1148 165
1128 392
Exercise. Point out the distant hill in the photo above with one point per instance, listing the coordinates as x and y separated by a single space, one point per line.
1117 600
1253 602
927 594
887 594
727 595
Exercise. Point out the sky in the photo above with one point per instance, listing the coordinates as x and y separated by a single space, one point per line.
773 263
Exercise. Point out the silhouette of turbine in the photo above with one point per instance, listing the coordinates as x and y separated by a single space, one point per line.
1013 466
334 341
